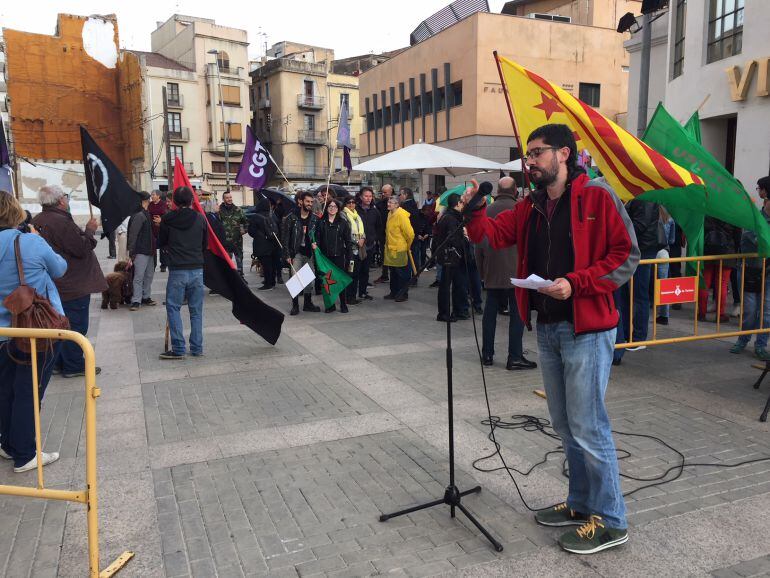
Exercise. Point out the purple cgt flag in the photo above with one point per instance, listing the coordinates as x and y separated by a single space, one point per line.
256 168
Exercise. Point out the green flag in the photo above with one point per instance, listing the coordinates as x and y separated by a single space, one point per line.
723 197
692 127
333 279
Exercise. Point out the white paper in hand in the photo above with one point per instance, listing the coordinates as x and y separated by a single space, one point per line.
300 280
532 282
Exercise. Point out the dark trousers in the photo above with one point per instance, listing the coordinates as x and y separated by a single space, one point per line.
474 281
111 243
70 355
363 273
642 277
497 298
399 280
352 289
17 418
675 269
160 255
278 264
454 281
268 269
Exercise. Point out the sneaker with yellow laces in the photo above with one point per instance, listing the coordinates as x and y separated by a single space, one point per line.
560 515
592 537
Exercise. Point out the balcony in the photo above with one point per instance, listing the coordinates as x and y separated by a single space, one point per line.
316 137
305 172
182 135
264 103
310 102
176 101
188 167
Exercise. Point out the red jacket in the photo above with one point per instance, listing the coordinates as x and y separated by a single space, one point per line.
604 243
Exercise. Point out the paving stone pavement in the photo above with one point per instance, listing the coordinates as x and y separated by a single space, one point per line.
277 461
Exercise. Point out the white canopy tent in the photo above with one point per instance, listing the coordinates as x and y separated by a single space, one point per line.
428 159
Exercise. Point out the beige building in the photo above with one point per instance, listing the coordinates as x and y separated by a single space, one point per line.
446 89
296 101
198 62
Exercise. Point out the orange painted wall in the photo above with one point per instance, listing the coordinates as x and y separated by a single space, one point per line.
54 86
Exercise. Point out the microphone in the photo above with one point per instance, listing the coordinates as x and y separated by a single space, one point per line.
485 189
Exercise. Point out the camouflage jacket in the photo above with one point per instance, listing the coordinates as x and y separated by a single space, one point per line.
233 218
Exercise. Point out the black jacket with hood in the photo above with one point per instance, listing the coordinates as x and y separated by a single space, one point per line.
184 234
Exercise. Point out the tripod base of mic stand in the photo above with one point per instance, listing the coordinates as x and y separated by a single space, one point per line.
452 498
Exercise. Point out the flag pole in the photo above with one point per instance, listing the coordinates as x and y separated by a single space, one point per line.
513 120
279 169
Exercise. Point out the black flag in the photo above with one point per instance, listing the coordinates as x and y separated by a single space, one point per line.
107 187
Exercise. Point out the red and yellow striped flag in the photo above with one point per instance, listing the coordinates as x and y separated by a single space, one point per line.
630 166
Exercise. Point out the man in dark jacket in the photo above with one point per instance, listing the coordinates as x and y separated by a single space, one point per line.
382 206
417 221
184 235
296 234
263 229
645 216
141 252
83 276
372 219
234 221
496 267
450 248
575 232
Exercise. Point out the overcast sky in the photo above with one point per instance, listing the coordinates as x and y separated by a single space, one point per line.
349 27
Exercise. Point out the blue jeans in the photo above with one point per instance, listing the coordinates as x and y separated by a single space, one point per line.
576 370
185 284
751 318
474 282
17 417
642 277
495 299
399 279
663 310
70 355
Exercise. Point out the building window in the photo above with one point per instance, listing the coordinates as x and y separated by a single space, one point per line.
397 113
344 99
427 104
406 110
417 107
176 151
369 121
175 123
681 14
441 104
267 90
457 93
223 59
234 133
725 34
309 122
378 118
220 166
173 93
590 93
231 95
386 114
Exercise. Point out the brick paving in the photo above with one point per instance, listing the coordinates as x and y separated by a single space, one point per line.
277 461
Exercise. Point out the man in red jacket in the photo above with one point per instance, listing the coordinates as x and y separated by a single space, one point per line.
573 231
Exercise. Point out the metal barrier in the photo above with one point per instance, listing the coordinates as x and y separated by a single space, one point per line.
88 495
692 282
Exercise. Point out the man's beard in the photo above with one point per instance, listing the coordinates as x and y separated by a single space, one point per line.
545 177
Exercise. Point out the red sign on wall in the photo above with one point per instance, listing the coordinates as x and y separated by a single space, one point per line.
676 290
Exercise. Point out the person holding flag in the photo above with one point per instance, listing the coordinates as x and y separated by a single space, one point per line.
296 241
576 232
333 239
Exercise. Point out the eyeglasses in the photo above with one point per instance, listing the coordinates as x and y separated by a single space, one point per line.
332 206
537 151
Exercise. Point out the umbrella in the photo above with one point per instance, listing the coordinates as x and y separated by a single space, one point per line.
428 159
276 195
339 190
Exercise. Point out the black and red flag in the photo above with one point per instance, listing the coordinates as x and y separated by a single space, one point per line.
220 275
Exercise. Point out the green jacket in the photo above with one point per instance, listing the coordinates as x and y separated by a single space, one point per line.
233 218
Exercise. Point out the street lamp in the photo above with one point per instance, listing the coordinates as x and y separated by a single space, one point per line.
225 128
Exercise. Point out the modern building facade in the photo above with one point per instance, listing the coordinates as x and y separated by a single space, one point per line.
446 90
296 100
714 57
204 68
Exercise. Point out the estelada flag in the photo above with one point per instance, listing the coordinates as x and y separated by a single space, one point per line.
220 275
333 279
107 188
629 165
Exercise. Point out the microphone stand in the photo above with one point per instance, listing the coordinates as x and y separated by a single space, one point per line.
452 495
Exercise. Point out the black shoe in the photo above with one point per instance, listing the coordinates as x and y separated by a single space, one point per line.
617 361
331 309
503 312
401 299
366 297
389 296
521 363
354 301
413 282
162 268
435 284
308 306
170 355
443 318
661 320
487 360
461 316
294 309
134 307
279 280
266 288
478 310
82 373
343 308
149 301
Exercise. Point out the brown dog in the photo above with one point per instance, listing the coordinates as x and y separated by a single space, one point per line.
118 286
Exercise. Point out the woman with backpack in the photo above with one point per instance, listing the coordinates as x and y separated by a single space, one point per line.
40 265
263 228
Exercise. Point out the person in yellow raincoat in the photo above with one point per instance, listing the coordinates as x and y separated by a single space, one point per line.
398 239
